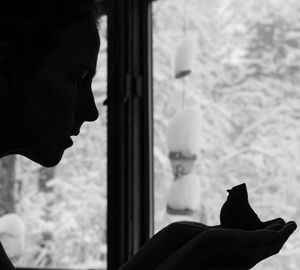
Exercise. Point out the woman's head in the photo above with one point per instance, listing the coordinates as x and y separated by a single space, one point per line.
31 27
48 55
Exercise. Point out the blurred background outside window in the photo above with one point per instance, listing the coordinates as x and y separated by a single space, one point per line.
227 111
56 217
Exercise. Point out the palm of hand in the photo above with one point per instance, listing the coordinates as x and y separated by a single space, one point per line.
230 248
241 249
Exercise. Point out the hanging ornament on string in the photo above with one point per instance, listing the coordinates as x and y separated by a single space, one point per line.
185 54
183 136
186 51
184 139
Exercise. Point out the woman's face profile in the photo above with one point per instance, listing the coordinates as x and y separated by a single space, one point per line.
50 102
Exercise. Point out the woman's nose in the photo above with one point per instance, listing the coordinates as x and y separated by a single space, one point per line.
87 110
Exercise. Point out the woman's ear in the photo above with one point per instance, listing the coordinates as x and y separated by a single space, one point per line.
5 59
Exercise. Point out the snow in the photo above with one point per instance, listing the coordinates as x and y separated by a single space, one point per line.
184 130
184 193
185 55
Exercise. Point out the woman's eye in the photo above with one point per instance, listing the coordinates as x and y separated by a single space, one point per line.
82 78
84 75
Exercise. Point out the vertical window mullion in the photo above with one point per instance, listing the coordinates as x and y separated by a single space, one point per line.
130 204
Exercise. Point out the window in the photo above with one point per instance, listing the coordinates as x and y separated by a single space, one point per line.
226 110
63 208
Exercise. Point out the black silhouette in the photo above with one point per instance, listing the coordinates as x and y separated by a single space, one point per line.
240 242
48 54
237 212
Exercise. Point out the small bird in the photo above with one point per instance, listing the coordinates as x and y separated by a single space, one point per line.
237 213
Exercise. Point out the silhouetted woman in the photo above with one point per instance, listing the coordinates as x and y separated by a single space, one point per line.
48 54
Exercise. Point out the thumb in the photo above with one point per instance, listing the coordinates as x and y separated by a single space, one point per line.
287 230
276 226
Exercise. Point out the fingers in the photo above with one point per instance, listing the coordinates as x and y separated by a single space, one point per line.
192 223
187 228
270 222
287 230
199 225
275 225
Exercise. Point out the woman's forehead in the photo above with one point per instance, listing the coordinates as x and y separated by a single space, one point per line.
80 45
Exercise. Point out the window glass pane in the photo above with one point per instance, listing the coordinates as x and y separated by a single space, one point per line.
227 111
63 209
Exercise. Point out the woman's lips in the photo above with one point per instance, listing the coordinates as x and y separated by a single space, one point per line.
66 142
69 142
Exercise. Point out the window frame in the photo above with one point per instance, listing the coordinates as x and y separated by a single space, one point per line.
130 132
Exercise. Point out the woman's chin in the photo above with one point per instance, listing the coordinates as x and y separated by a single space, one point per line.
48 162
47 155
45 159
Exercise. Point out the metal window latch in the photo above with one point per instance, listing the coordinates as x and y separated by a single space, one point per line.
134 87
128 88
138 89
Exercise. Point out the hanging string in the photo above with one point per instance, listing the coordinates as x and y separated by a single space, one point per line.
184 30
183 91
184 16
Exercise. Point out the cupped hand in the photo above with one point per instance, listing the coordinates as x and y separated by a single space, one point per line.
165 243
223 248
239 243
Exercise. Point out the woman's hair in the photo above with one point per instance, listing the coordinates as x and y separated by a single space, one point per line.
32 27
